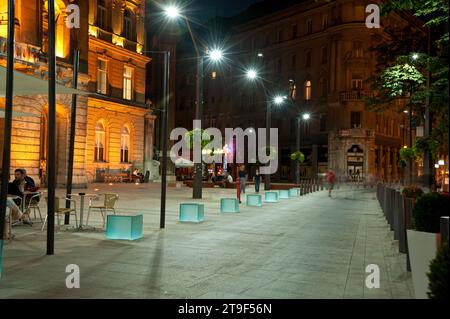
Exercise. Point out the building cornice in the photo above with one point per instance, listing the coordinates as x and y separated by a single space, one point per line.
121 51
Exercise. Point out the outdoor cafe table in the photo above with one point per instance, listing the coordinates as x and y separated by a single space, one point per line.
82 197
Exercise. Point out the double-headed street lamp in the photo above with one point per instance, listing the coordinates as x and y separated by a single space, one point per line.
215 55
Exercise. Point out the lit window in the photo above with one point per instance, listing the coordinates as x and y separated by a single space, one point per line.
308 90
127 83
309 26
358 49
125 145
102 78
101 14
100 143
128 25
357 84
214 75
324 22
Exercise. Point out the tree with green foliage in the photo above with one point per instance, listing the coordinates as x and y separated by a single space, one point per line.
399 76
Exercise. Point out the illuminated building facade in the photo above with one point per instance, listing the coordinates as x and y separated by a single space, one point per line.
112 118
324 48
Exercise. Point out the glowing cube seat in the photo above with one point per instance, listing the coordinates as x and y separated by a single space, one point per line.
229 205
192 212
271 197
254 200
128 227
284 193
294 192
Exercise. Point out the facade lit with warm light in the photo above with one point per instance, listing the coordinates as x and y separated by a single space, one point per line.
113 118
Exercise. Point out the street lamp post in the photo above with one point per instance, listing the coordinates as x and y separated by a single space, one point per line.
165 124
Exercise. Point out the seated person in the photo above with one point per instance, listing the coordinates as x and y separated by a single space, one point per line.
138 175
227 180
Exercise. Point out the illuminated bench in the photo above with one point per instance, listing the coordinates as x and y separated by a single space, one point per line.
229 205
254 200
271 197
128 227
284 194
294 192
192 212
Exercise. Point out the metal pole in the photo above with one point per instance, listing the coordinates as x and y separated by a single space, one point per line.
197 191
298 146
164 138
197 187
73 121
428 167
51 154
268 118
410 145
8 120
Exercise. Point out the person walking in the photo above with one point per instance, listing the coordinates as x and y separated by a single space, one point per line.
257 181
238 189
331 179
242 176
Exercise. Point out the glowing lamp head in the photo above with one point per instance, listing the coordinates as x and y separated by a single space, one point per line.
278 100
415 56
216 55
306 116
252 74
172 12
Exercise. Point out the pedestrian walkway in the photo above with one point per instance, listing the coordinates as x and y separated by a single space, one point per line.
307 247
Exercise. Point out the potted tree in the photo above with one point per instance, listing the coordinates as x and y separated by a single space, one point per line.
423 238
438 275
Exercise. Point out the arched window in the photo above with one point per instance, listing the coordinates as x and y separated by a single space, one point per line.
125 145
128 24
100 143
308 90
101 14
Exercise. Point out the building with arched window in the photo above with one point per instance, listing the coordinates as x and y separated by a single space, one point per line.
323 47
110 123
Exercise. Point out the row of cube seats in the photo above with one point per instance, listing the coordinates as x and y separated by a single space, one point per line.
129 227
194 212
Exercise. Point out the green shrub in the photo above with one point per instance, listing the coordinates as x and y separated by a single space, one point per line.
439 275
298 156
428 210
412 191
406 154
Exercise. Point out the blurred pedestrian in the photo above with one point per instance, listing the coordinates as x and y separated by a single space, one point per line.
331 179
257 180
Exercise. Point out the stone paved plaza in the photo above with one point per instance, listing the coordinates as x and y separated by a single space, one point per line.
307 247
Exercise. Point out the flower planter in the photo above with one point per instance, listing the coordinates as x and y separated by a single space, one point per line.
422 249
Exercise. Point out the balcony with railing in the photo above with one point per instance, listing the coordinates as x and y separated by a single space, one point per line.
22 51
354 96
356 132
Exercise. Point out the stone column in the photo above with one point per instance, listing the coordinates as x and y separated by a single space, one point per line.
149 164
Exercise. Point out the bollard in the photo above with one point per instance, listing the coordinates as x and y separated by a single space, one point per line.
409 205
402 224
395 211
444 229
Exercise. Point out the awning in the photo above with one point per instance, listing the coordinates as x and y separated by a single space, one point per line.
182 162
25 84
18 114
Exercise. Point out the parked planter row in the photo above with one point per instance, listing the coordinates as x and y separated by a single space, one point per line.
416 229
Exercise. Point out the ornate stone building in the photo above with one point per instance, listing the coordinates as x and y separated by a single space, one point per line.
318 53
111 116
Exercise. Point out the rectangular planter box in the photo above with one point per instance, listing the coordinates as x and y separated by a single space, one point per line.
191 212
271 197
229 205
127 227
254 200
283 193
422 249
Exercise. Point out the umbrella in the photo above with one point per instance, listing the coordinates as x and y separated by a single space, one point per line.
182 162
25 84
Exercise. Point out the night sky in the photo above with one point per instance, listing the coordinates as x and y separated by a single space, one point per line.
206 9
